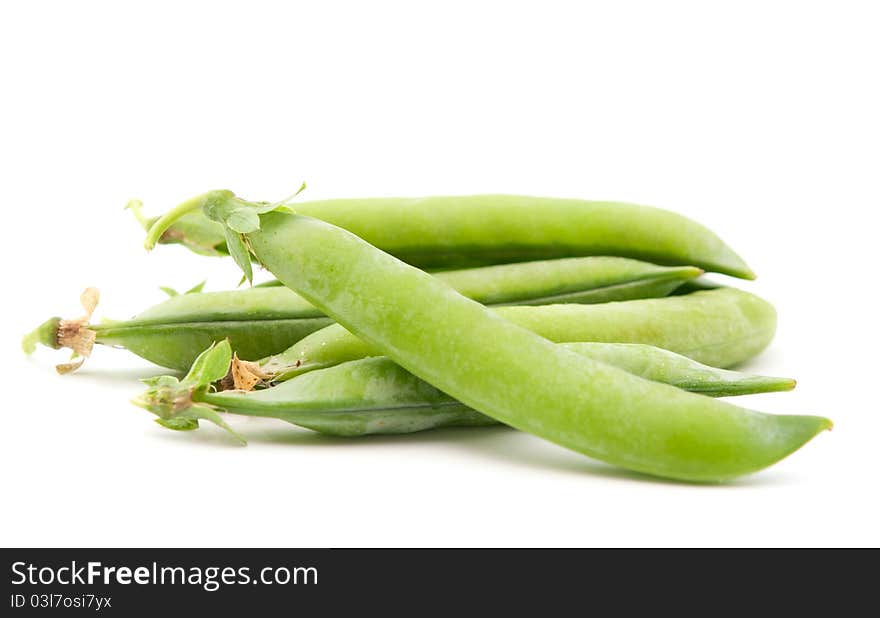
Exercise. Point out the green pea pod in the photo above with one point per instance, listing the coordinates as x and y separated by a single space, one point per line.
460 231
266 320
499 368
721 327
659 365
377 396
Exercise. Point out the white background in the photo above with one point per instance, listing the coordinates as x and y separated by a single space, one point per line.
759 119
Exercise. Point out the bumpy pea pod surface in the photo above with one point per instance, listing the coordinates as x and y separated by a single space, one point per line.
263 321
497 367
375 395
475 230
720 327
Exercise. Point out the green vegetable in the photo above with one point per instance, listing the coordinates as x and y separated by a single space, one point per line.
266 320
458 231
496 367
721 327
374 395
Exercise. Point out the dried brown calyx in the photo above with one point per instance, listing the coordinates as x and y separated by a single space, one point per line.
243 375
76 334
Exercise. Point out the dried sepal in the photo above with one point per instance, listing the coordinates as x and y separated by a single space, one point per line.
76 334
246 374
89 301
65 368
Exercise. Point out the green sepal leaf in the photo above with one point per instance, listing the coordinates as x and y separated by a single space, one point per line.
161 381
210 366
188 420
262 207
212 416
196 289
302 188
179 424
239 253
193 290
218 205
243 220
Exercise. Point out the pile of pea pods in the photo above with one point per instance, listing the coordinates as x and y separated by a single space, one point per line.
588 324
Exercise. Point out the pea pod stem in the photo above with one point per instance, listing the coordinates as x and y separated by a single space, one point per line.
193 230
137 210
165 221
507 372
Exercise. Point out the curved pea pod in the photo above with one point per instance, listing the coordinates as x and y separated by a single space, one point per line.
720 327
262 321
496 367
475 230
377 396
